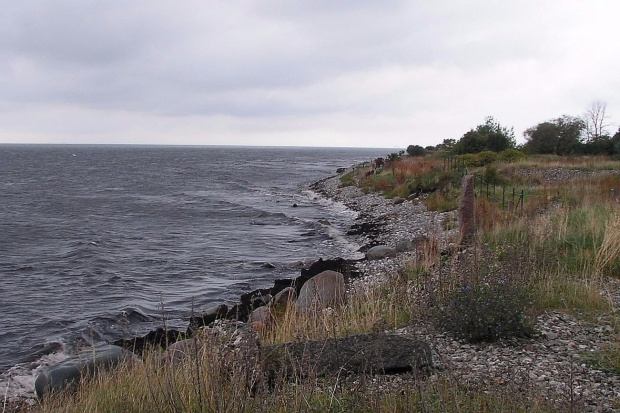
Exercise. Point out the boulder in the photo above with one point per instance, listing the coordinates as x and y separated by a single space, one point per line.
411 244
321 291
380 252
375 353
398 200
181 351
283 299
156 338
261 315
66 374
404 245
209 316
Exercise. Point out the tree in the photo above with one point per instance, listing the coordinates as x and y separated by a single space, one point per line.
448 144
595 120
559 136
489 136
416 150
615 142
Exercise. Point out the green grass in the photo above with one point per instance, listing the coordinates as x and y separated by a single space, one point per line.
560 248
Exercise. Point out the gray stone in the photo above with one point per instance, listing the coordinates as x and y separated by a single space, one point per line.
376 353
380 252
411 244
325 289
209 316
179 352
261 315
66 374
398 200
404 245
284 298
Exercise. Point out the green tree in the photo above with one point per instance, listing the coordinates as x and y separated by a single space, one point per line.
559 136
416 150
448 144
489 136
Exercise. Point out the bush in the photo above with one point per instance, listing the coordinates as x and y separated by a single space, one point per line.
484 312
416 150
469 160
486 158
512 155
491 176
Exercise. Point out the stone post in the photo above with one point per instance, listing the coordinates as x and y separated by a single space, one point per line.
467 216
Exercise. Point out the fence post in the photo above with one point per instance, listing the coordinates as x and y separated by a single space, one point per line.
503 196
522 199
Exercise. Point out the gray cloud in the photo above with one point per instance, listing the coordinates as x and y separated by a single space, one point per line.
304 67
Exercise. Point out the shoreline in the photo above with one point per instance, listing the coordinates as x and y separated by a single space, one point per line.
378 221
548 360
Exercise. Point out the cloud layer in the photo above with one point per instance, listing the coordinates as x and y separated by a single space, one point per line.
350 73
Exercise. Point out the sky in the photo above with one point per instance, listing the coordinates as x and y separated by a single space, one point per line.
350 73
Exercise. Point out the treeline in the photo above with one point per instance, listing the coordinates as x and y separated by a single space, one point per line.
566 135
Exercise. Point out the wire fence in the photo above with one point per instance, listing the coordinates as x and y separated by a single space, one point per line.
510 197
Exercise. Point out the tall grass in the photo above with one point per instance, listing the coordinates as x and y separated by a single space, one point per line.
560 247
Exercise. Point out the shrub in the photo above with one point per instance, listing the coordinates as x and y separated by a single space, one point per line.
485 312
512 155
416 150
469 159
442 201
491 176
486 158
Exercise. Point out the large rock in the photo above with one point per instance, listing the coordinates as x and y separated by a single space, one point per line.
261 315
411 244
182 351
156 338
283 299
380 252
321 291
376 353
209 316
66 374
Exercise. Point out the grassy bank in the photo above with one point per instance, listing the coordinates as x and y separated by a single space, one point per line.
553 252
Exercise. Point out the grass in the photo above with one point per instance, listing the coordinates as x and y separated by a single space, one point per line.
559 247
384 307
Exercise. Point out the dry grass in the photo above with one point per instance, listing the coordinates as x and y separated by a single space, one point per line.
560 246
591 163
386 306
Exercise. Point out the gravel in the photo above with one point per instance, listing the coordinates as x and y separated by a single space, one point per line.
554 363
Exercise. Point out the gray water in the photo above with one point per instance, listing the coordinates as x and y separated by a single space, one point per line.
103 242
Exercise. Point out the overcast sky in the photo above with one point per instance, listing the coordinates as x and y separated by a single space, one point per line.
355 73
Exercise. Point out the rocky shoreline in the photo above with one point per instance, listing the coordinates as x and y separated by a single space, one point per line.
553 362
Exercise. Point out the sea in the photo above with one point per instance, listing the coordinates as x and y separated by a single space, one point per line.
101 242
